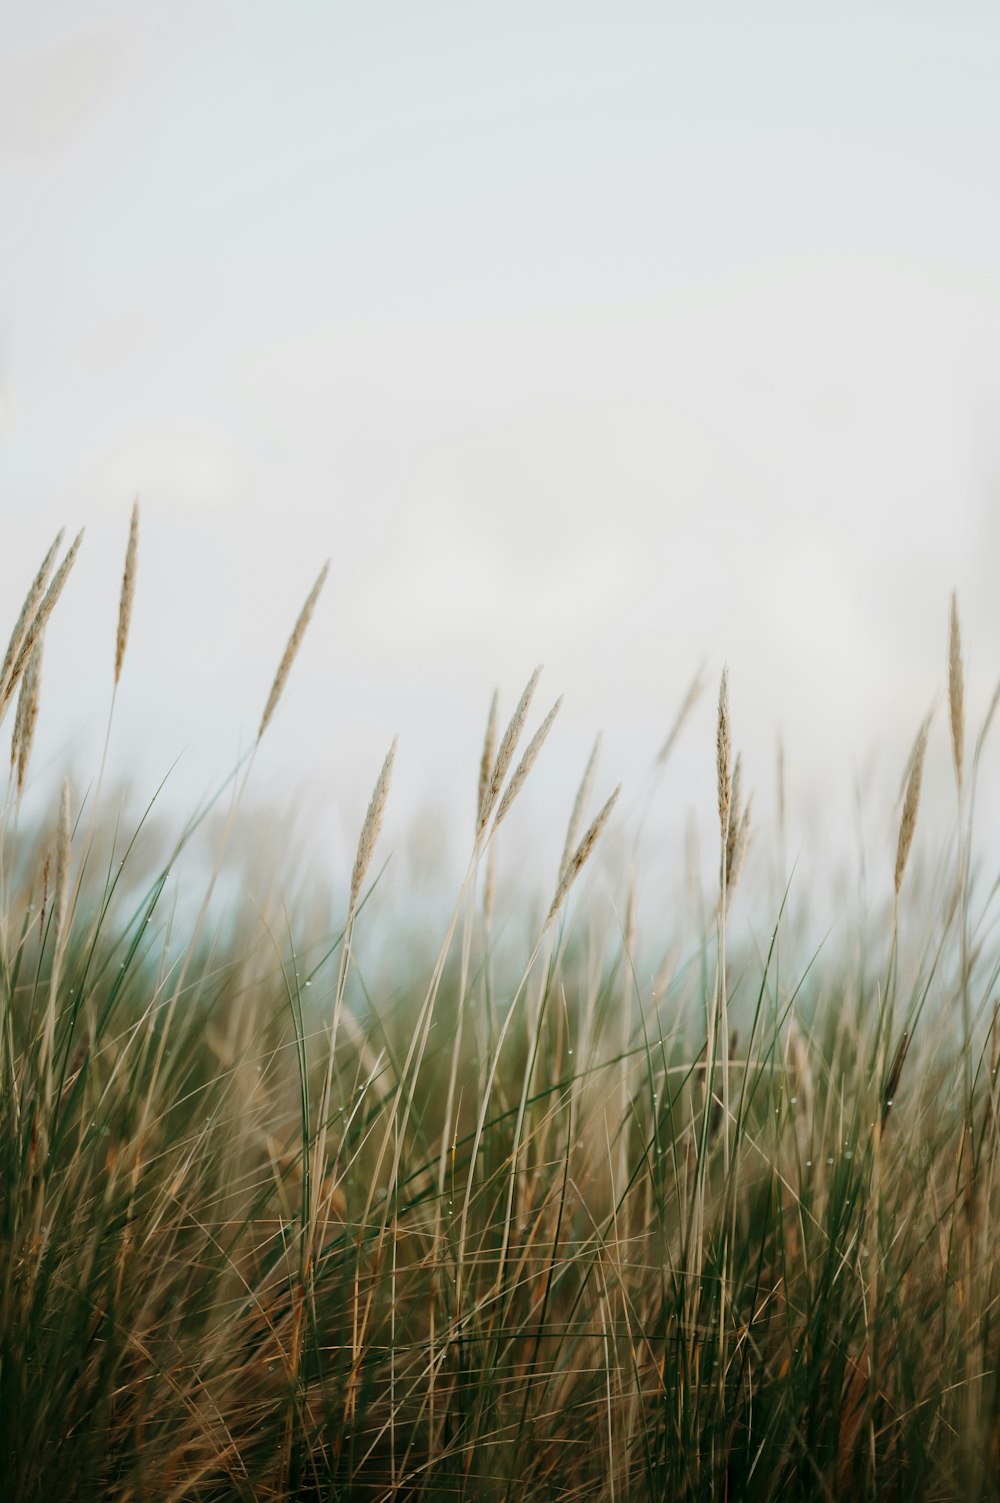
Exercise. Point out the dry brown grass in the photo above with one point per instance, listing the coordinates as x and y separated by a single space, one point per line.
267 1243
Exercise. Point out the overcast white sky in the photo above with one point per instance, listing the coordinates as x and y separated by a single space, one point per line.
609 336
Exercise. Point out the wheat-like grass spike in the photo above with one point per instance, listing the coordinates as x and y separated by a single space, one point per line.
526 763
579 811
581 853
505 755
488 754
370 828
291 648
28 609
911 799
127 599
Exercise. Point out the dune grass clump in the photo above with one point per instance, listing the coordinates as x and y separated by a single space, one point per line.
643 1213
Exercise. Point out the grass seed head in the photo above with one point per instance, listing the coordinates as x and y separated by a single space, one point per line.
694 692
527 762
911 799
371 827
579 812
28 609
292 647
26 717
581 853
723 756
741 846
735 812
508 746
38 622
489 753
128 591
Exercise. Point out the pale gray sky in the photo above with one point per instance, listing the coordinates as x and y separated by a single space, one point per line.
609 336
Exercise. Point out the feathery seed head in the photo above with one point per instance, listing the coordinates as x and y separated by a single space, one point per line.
291 648
735 812
370 828
694 692
489 752
128 591
26 717
28 609
527 762
723 756
505 755
741 846
581 853
579 811
911 799
38 622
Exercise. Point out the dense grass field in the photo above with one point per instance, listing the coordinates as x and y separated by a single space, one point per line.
273 1227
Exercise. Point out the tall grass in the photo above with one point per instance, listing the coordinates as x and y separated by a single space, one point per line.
272 1229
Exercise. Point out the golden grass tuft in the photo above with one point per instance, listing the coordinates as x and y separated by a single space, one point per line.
741 846
252 1247
732 834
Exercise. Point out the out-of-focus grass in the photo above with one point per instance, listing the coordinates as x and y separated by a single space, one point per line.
269 1231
